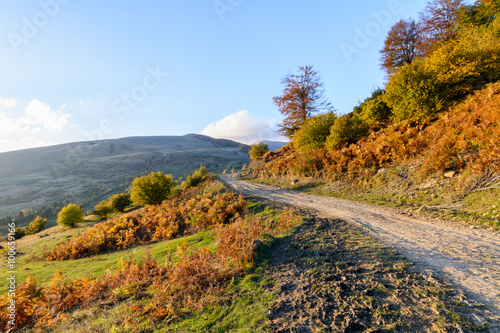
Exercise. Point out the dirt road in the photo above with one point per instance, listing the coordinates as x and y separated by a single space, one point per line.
468 259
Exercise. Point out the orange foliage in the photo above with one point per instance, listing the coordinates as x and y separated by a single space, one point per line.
195 280
466 136
196 209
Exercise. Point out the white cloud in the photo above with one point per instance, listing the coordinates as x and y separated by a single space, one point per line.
8 103
7 125
241 127
38 125
40 114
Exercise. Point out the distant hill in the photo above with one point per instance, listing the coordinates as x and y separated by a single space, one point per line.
273 145
87 172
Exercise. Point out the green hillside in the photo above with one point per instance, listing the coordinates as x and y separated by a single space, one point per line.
88 172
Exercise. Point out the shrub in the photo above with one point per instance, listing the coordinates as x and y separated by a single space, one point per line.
70 215
152 189
195 178
36 225
258 151
346 130
20 232
413 92
120 201
373 109
198 208
103 209
314 132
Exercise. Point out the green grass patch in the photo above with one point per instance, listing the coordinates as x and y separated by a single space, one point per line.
30 261
243 310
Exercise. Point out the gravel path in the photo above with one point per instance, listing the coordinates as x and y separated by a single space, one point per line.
468 259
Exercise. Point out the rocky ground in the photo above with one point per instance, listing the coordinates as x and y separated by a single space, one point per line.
329 277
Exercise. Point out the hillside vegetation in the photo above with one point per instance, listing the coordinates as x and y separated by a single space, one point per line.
192 276
208 260
430 138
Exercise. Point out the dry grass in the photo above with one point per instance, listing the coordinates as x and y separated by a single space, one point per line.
193 210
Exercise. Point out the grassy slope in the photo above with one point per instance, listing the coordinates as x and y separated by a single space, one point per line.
244 309
31 247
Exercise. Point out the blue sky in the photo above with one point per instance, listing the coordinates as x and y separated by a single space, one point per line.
83 70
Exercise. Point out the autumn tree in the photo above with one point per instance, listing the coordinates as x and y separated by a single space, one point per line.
438 23
103 209
36 225
303 96
453 71
400 46
482 12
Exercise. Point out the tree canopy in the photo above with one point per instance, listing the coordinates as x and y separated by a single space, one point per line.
258 150
152 189
103 209
400 46
438 23
70 215
314 132
120 201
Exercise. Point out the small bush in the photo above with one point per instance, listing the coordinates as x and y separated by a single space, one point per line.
346 130
36 225
20 232
195 178
152 189
413 92
120 201
258 151
314 132
70 215
103 209
373 109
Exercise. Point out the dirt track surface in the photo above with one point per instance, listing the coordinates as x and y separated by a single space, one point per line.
468 259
